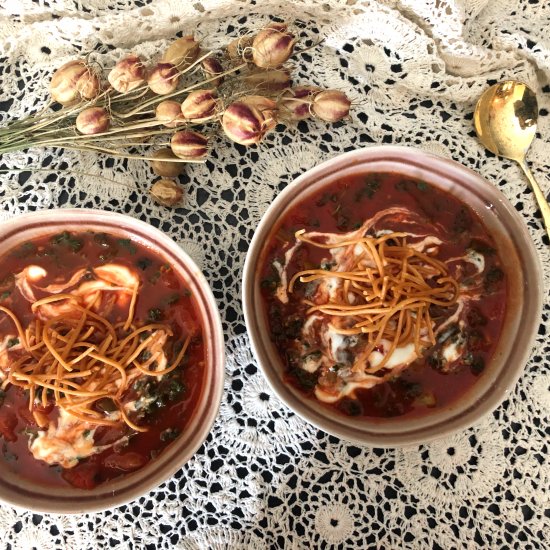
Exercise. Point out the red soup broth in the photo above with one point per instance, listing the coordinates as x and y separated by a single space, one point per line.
164 298
343 206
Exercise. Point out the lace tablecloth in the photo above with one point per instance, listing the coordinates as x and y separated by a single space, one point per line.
264 478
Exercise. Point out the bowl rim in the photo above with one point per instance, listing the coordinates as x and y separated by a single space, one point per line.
317 415
128 488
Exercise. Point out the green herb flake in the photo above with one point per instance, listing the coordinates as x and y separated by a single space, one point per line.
307 380
155 314
145 355
144 263
172 299
128 245
371 187
422 186
12 342
493 278
174 390
66 239
169 434
25 250
102 239
5 295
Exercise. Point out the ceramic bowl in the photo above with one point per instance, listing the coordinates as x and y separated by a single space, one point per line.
20 492
521 319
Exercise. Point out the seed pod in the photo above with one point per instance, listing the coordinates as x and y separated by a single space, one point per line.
247 124
200 105
239 48
212 67
163 79
272 46
163 166
166 192
94 120
331 105
266 106
127 75
168 113
182 53
189 145
74 81
268 81
296 103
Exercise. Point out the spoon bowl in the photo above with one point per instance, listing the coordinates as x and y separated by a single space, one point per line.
505 120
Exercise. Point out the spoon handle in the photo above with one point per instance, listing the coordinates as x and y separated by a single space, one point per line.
543 203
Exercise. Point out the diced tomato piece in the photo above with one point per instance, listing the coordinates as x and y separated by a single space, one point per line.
127 462
82 476
8 422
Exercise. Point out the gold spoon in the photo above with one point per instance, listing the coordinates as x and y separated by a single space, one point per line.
506 122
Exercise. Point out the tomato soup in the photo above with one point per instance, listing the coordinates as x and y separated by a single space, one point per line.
384 296
101 358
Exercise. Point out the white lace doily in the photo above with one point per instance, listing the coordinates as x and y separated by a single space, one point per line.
264 478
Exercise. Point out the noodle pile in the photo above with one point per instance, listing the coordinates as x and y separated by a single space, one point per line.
386 292
82 360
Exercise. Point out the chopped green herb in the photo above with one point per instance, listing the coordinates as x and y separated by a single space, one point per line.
155 314
462 221
5 295
12 342
342 222
145 355
66 239
422 186
307 380
482 247
174 390
478 365
493 278
172 299
169 434
349 406
412 389
86 433
128 245
25 250
144 263
269 283
372 185
326 265
102 239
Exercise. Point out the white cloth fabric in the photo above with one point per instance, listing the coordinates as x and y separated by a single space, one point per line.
265 478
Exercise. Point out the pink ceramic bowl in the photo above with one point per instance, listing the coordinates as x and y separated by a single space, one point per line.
22 493
521 318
